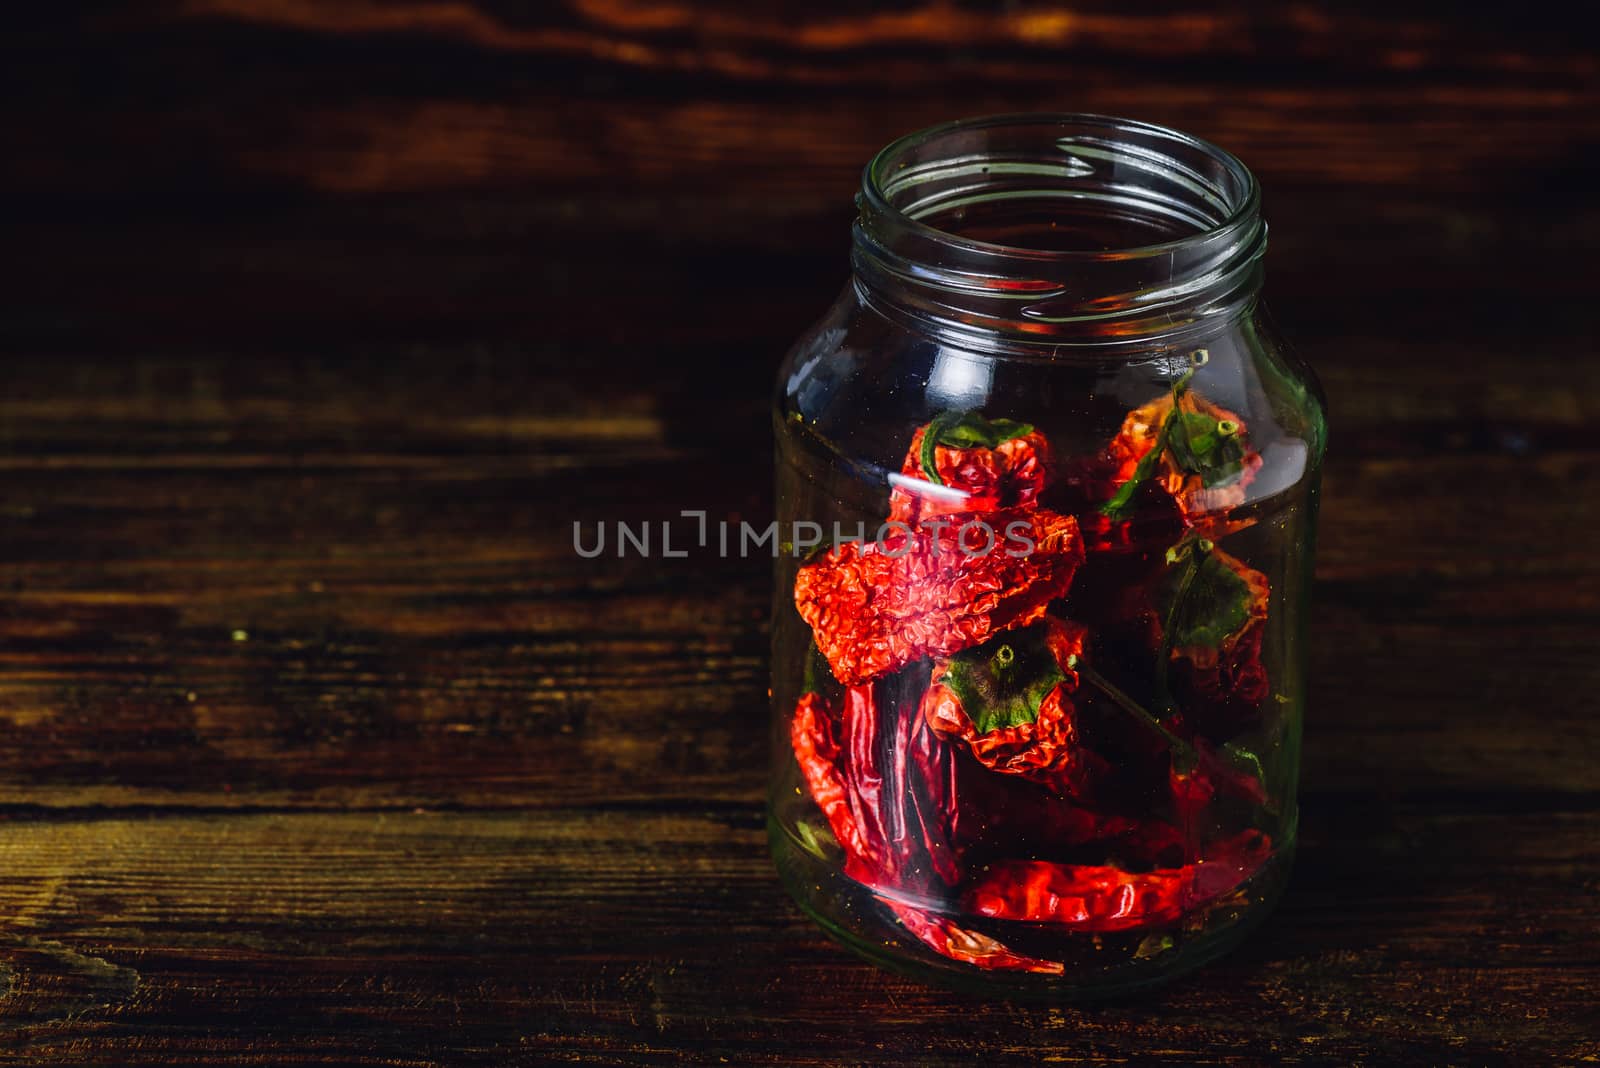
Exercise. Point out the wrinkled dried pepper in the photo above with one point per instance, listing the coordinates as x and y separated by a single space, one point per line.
1211 613
893 818
961 462
875 607
1197 451
1225 697
1008 815
1106 898
813 733
950 939
886 789
1010 702
897 820
1227 771
1207 599
982 788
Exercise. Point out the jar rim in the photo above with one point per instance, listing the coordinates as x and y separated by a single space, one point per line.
1102 176
1243 209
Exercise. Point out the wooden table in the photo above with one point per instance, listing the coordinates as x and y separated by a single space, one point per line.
318 745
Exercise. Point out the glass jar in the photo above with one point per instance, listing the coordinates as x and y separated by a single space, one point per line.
1047 488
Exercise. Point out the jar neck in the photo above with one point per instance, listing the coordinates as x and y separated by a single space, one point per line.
1048 230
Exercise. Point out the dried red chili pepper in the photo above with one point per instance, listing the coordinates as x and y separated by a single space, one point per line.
1211 610
961 462
926 774
875 607
886 789
1197 451
1207 599
1106 898
890 794
1002 816
813 734
1179 453
904 765
860 721
1010 701
1152 521
951 940
897 814
1227 771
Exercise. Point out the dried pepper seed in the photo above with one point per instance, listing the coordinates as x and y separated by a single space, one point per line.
874 607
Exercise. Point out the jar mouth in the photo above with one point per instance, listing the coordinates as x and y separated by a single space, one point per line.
1061 224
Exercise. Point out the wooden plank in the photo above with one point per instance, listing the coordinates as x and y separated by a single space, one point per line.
1318 94
633 936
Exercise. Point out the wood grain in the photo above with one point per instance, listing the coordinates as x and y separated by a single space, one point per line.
319 746
481 937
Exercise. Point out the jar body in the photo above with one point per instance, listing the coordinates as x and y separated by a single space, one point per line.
1038 643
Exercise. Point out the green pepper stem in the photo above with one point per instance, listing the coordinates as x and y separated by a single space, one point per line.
930 444
1189 550
1119 503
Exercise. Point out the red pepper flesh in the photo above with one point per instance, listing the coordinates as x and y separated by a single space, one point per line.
975 479
1106 898
1045 749
949 939
875 607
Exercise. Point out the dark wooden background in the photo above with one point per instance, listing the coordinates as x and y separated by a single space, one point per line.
323 320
